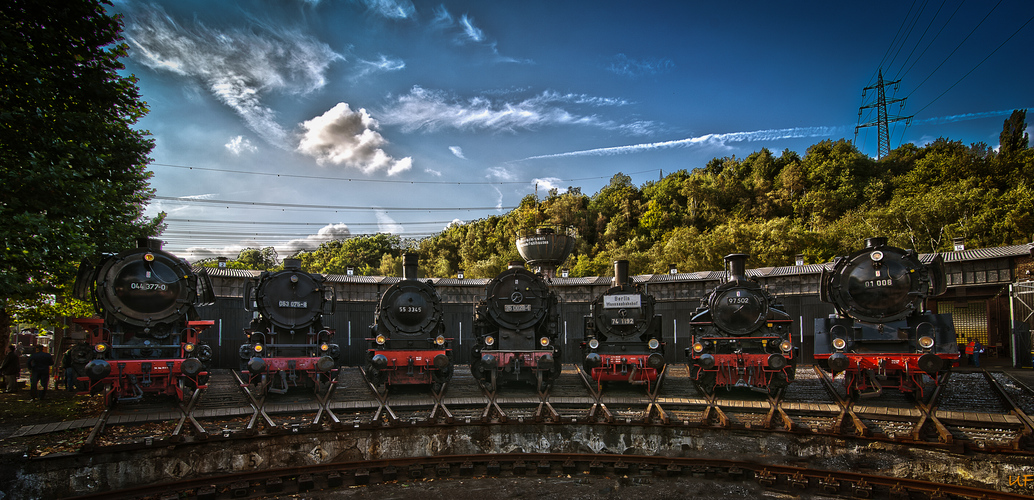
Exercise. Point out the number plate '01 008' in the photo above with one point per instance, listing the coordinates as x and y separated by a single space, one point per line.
516 308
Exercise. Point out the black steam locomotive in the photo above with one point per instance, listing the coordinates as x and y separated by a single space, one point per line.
287 344
409 344
147 338
622 340
741 335
516 328
882 336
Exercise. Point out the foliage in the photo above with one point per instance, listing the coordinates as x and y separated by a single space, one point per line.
364 253
264 259
73 179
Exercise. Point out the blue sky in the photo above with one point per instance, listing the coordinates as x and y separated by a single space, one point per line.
287 123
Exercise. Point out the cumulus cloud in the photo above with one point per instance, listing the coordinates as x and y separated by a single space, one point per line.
458 151
239 145
239 67
342 136
432 110
326 233
543 185
385 224
634 68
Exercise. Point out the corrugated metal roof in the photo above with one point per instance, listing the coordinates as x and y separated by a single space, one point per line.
988 253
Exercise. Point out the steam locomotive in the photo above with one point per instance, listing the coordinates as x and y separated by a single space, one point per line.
516 328
409 344
287 344
741 335
147 338
882 336
622 340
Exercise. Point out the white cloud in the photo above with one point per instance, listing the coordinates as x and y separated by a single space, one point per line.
239 145
432 110
326 233
391 9
385 224
239 67
381 65
472 32
500 173
543 185
433 172
345 137
458 151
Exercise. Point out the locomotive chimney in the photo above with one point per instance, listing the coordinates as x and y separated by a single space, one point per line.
292 264
410 265
875 242
736 266
620 272
149 243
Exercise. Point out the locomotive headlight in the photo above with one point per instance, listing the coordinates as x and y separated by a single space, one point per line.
785 346
324 347
926 342
439 340
149 257
876 256
489 340
594 344
381 339
839 343
653 344
188 348
544 341
258 348
100 348
698 348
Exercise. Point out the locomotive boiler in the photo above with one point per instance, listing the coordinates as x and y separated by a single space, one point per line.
622 340
409 345
147 338
882 336
516 328
287 344
741 335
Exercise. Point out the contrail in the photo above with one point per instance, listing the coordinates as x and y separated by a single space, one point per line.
757 135
713 139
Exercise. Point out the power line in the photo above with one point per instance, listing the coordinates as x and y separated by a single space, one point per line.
273 223
382 181
328 207
956 48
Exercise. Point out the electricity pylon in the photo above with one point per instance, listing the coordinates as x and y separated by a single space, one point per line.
882 119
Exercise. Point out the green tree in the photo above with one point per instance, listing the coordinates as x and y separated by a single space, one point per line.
364 253
73 179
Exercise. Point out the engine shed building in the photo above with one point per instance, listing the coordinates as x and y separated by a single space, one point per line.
990 295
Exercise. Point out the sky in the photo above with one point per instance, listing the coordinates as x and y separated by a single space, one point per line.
288 123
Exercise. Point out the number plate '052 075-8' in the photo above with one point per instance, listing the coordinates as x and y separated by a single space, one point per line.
295 304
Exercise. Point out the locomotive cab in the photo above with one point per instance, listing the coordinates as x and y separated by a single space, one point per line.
741 335
622 339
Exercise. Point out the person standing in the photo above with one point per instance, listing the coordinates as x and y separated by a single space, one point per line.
970 347
10 367
39 371
977 349
66 363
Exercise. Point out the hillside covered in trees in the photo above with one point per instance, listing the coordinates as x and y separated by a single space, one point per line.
771 206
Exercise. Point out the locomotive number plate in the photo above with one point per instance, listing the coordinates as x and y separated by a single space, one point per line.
622 321
739 300
622 301
410 309
873 283
295 304
511 308
147 286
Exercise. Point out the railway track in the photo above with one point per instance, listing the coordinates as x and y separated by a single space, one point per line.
953 417
634 469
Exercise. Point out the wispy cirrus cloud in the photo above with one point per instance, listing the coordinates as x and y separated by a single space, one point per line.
635 68
430 110
239 67
463 31
342 136
712 140
391 9
382 65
